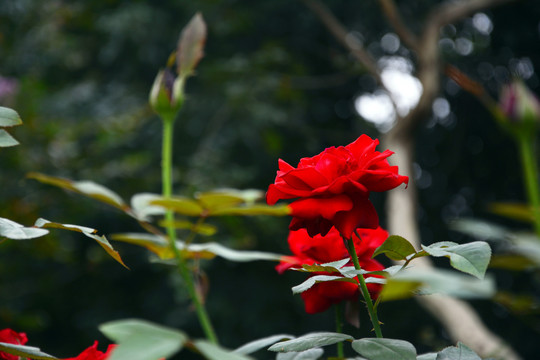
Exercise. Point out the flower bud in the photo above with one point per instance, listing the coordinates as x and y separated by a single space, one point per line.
166 96
520 106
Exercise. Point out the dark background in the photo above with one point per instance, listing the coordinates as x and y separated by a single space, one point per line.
273 84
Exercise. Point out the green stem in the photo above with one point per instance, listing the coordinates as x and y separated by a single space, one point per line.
339 319
166 168
530 174
364 290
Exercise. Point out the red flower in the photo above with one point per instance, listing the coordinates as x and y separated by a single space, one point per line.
11 337
92 353
322 249
332 188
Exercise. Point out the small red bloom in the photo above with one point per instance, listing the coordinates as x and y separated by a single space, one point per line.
92 353
323 249
11 337
332 188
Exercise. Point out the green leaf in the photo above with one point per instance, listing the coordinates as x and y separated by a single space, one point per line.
400 289
190 46
259 344
15 231
89 232
201 229
512 262
142 208
24 351
154 243
9 117
221 203
43 223
7 140
106 245
331 267
479 229
236 196
99 192
433 281
87 188
521 304
389 271
311 354
160 246
181 205
472 258
317 279
252 210
395 248
461 352
310 341
516 211
238 202
215 352
525 244
384 349
142 340
428 356
227 253
216 199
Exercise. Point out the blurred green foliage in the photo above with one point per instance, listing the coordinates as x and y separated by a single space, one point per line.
273 83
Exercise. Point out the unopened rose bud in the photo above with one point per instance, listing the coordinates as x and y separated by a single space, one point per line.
166 95
520 105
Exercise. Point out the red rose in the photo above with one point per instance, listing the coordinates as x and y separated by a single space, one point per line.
92 353
11 337
322 249
332 188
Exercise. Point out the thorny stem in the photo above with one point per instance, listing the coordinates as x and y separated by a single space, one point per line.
166 168
364 290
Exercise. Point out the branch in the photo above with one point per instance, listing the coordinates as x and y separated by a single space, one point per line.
429 63
344 37
457 317
450 12
348 41
393 16
461 321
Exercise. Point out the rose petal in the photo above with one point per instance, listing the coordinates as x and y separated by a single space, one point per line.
305 178
284 166
346 185
364 144
369 240
325 207
288 262
278 192
363 215
332 165
321 296
273 195
314 226
382 180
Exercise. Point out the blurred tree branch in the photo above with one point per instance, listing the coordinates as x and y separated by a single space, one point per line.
393 16
344 37
458 317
